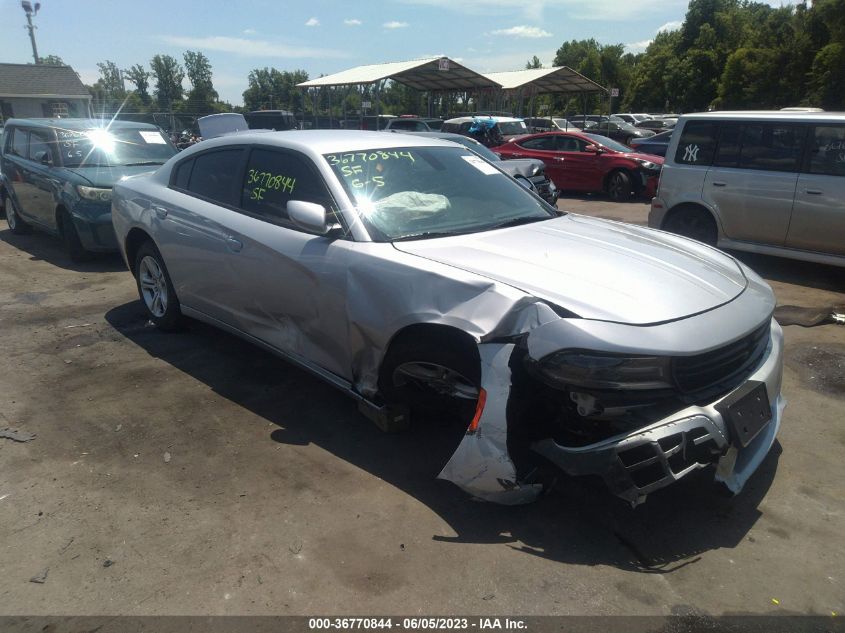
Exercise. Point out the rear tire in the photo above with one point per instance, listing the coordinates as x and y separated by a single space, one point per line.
16 225
70 238
695 223
619 186
155 288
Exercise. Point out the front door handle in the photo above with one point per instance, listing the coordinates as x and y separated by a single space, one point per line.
560 159
161 212
717 183
234 245
814 192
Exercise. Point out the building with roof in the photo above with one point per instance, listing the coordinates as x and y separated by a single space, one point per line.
42 90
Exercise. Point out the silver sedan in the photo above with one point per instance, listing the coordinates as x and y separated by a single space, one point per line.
408 271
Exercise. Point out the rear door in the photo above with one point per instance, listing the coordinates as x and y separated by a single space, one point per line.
751 184
818 217
542 148
18 174
191 226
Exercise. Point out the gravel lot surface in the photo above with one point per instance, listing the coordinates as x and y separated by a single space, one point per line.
192 473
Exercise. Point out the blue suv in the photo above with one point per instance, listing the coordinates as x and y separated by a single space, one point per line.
57 175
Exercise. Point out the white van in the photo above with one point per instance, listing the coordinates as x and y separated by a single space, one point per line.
765 182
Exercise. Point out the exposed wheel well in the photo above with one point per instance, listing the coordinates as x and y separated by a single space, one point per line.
134 240
686 206
439 335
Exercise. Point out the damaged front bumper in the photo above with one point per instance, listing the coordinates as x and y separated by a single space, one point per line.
633 465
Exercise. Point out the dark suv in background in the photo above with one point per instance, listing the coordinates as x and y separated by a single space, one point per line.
58 174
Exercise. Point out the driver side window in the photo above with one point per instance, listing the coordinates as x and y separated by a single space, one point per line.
275 177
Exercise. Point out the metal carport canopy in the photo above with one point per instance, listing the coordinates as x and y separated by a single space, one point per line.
558 79
431 73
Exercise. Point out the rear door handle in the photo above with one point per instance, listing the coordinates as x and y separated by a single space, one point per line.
717 183
560 158
161 212
233 244
814 192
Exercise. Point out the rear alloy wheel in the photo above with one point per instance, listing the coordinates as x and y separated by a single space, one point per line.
619 186
155 288
70 238
694 223
16 225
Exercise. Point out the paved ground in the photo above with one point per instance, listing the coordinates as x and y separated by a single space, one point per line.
279 498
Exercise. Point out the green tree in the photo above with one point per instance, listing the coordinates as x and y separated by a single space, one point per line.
140 78
827 77
202 97
533 63
168 76
53 60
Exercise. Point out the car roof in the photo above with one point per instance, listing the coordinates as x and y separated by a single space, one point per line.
321 141
81 124
775 115
497 119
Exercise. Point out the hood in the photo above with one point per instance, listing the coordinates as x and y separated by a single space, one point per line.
105 177
657 160
525 167
597 269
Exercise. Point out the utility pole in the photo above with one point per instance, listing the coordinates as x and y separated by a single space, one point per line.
26 5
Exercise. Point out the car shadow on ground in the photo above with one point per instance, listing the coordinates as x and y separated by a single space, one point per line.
42 247
598 196
792 271
576 521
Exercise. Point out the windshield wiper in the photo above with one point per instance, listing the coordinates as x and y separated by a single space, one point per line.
516 222
426 235
149 162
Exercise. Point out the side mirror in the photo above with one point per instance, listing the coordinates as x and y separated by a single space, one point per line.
308 216
43 157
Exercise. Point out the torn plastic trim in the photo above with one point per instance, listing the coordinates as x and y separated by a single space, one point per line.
481 465
618 459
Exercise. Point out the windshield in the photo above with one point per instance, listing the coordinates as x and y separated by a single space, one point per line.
421 192
609 143
113 148
512 127
478 148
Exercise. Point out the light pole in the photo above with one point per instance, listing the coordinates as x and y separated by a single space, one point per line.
26 5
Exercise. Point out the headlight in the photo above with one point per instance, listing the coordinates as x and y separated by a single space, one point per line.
605 371
647 164
94 193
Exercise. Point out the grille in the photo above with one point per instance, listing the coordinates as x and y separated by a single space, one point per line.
720 366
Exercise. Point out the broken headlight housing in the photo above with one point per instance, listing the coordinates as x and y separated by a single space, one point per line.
592 370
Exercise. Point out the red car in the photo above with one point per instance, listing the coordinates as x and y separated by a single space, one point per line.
578 161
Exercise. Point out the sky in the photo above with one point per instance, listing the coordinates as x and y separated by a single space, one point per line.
325 36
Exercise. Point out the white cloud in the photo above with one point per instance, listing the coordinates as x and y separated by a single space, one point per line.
249 31
313 22
574 9
395 25
523 31
491 62
250 48
353 22
637 47
670 26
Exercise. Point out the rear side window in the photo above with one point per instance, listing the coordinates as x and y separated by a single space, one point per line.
214 175
182 174
545 143
771 147
697 143
19 142
730 138
827 150
273 178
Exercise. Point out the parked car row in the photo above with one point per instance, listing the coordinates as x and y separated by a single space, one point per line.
408 271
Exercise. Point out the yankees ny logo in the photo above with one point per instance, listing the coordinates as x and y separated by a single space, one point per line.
691 154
